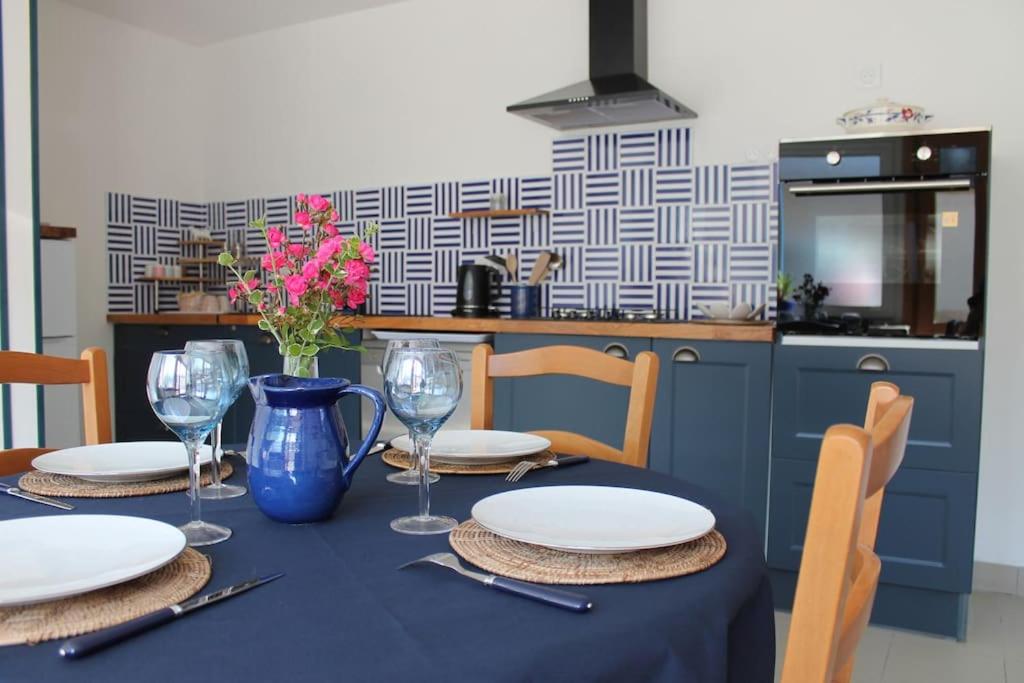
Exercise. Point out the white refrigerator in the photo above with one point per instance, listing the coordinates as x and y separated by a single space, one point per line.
62 403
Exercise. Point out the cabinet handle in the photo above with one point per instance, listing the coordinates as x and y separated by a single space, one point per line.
686 354
873 362
617 351
266 340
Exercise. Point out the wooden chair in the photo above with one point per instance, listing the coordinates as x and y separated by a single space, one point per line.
880 399
641 376
838 575
91 372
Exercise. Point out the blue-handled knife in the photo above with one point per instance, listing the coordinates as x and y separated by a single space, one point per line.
549 596
80 646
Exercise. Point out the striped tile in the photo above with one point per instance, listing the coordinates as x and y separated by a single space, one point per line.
603 188
601 263
443 300
636 296
602 295
673 185
475 195
568 191
119 208
446 198
368 204
568 154
602 152
673 147
143 211
672 299
255 209
344 203
638 187
393 299
750 183
234 215
749 223
120 238
572 265
711 185
392 266
637 262
711 223
393 234
537 230
419 266
637 224
475 233
568 227
673 262
638 148
673 224
535 192
602 226
568 295
447 232
750 262
711 262
419 200
506 232
393 202
167 213
508 187
191 214
753 293
420 232
279 210
446 264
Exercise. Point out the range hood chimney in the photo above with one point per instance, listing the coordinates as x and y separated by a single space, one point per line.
617 91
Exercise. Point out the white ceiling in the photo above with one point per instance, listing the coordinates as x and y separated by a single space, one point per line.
202 22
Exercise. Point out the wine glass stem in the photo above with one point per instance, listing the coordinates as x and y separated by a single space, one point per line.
422 442
414 464
193 480
215 444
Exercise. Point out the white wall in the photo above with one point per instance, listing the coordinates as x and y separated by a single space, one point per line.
416 91
119 110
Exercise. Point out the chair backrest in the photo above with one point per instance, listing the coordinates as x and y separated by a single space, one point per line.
880 400
838 576
90 371
641 376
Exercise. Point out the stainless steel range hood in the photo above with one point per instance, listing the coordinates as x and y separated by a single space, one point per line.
617 91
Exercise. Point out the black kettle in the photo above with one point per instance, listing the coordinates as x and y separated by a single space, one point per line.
478 289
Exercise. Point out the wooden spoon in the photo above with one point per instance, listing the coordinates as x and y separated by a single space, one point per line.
512 265
540 267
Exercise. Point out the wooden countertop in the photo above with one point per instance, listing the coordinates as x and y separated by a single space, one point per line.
665 330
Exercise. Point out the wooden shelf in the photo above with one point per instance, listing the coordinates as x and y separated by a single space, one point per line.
188 261
56 232
186 278
499 213
184 243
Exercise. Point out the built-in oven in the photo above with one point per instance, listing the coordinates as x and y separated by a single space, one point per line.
893 225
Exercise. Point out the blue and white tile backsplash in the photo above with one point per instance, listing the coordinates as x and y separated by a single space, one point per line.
637 224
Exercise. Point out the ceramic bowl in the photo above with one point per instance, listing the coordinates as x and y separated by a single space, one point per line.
883 114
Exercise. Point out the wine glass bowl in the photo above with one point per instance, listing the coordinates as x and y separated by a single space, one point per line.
422 387
231 352
186 391
409 476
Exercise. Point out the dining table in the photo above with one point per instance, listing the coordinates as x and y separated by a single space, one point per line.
345 612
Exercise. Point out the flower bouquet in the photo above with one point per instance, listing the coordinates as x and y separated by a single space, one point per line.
303 284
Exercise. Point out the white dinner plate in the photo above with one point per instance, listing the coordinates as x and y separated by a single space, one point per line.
593 519
120 462
478 446
47 558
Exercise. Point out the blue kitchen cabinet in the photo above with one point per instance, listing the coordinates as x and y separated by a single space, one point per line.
712 418
562 402
926 534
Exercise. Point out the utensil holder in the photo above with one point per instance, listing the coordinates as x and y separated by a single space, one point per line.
525 300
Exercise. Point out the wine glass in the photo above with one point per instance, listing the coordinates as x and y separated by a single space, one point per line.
423 388
411 475
186 391
236 363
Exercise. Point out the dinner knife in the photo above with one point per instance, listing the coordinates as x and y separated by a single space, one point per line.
549 596
19 493
81 646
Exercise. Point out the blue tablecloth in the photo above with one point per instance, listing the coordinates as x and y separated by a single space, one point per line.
343 613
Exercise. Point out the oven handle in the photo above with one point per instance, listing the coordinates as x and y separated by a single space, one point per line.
881 186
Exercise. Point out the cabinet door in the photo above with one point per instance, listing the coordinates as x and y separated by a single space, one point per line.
816 387
133 348
574 404
711 419
926 534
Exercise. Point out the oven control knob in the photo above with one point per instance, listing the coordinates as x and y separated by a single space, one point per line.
833 158
924 152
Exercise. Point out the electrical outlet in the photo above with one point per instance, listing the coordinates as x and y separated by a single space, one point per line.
869 76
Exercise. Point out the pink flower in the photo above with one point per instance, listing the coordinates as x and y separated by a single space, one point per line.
276 237
302 218
300 197
271 289
328 249
311 270
233 294
356 272
330 230
252 284
262 306
297 250
334 216
296 286
281 310
318 203
275 260
356 296
366 252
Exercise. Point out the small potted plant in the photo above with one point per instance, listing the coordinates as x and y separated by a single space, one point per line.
811 294
783 295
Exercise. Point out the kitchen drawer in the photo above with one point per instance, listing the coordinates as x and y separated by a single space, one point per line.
712 418
816 387
574 404
925 537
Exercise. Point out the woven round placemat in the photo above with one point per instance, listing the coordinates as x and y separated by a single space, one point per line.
534 563
172 583
46 484
402 459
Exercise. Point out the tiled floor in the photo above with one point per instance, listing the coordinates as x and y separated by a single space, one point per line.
993 652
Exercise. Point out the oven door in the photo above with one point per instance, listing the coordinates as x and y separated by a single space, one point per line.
902 255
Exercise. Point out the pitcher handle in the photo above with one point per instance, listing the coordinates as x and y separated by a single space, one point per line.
378 420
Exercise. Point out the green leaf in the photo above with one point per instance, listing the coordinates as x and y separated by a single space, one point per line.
357 347
316 326
226 259
248 275
263 325
282 349
310 350
260 222
302 372
307 336
255 297
295 349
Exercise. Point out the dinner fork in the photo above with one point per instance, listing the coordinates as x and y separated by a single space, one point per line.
524 466
549 596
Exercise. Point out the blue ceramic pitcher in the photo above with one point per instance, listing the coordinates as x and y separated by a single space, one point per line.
298 467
